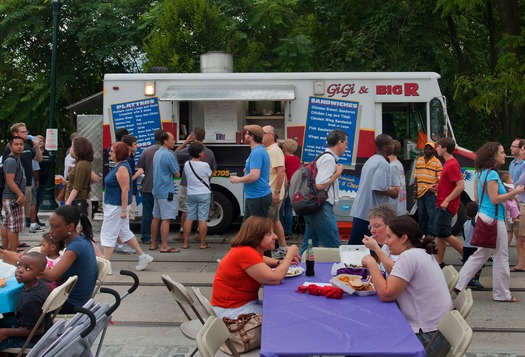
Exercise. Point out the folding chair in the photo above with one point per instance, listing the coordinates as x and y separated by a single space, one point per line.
183 298
451 276
208 309
53 303
103 266
457 332
464 302
324 254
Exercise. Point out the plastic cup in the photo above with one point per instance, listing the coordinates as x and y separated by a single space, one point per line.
233 173
58 179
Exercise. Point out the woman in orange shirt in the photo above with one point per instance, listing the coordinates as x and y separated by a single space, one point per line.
244 269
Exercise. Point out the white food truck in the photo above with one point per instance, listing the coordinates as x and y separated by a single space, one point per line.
303 106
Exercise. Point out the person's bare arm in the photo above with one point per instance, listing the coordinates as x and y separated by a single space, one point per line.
10 181
460 187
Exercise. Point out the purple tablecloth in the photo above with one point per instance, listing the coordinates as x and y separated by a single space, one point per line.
9 295
297 324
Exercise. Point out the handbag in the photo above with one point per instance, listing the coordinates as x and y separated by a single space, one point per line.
485 234
245 332
213 212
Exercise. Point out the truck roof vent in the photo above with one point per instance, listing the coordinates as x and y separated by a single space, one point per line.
216 62
158 70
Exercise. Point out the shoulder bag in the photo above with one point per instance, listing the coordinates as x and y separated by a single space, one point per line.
214 209
245 332
485 234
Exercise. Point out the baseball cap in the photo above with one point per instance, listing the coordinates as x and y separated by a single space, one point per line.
431 143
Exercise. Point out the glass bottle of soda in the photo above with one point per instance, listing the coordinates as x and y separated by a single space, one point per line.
310 259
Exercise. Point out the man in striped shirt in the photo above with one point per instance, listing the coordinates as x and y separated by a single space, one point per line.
426 174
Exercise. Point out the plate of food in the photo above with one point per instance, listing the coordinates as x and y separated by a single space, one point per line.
294 270
353 284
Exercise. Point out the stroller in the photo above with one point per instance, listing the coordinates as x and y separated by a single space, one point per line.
74 337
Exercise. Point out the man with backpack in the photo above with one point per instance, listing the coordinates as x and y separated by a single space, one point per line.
321 226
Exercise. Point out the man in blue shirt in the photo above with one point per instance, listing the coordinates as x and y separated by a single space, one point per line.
165 167
257 191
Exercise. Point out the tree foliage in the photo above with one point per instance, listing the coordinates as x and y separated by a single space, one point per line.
476 45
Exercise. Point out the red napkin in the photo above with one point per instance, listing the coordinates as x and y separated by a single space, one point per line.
328 291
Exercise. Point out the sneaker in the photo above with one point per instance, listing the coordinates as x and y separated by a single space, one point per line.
279 254
475 284
34 227
143 262
124 249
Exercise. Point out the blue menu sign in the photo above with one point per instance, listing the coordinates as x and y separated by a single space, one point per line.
141 118
325 115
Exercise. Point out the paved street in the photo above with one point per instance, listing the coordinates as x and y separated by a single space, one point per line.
146 324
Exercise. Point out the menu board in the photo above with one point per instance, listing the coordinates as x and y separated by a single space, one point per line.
220 121
325 115
141 118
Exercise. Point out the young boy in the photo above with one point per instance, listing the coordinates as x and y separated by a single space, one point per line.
469 249
15 329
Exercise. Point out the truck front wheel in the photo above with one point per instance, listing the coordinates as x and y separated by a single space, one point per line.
224 218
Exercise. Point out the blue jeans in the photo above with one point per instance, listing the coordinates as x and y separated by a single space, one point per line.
286 216
147 217
321 227
426 211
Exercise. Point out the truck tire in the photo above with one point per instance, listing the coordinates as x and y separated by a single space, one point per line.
225 215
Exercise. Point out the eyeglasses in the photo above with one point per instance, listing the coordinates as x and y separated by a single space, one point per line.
375 226
23 131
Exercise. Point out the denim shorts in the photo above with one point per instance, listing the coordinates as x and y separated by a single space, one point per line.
198 207
443 222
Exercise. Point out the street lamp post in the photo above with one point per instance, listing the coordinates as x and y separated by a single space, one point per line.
49 202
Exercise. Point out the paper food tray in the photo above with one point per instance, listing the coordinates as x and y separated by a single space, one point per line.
352 255
347 288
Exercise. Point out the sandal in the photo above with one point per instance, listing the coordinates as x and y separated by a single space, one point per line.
186 246
153 247
512 299
204 246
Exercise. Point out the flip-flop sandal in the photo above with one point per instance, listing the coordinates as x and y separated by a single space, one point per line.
186 246
512 299
23 245
517 270
205 246
153 247
171 250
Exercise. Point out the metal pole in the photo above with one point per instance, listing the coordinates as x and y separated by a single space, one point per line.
49 202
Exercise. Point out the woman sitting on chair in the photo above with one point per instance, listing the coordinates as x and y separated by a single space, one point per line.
244 269
78 258
416 280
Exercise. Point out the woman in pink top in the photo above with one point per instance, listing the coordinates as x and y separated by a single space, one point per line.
291 164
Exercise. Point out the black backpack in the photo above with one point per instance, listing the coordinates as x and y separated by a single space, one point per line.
306 198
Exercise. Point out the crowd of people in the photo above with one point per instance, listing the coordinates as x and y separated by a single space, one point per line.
406 254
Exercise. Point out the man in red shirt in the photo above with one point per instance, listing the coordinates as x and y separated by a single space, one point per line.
448 194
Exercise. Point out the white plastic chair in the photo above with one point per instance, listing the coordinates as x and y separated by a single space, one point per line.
451 276
457 332
464 302
104 266
324 254
53 303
